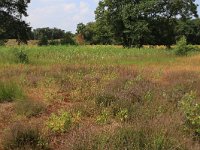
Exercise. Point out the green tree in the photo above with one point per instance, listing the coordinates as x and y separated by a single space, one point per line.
50 33
104 34
68 39
80 28
189 28
138 22
12 25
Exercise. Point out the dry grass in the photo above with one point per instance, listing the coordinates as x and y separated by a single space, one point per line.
149 94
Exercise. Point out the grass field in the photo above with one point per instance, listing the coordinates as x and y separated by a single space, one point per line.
98 97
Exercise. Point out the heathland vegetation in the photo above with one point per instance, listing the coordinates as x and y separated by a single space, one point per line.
76 92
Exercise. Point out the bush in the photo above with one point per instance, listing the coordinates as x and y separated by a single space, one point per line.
105 100
24 137
67 40
54 42
103 118
29 108
10 91
22 57
3 42
192 112
61 122
43 41
123 110
182 48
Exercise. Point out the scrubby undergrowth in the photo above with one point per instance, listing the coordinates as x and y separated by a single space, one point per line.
85 98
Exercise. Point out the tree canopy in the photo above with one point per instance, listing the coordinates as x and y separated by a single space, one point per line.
12 25
138 22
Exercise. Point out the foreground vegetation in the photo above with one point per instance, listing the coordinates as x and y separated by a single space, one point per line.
98 97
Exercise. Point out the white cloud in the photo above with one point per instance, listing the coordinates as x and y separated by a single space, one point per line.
64 14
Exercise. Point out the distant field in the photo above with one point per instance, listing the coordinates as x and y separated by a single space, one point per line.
99 97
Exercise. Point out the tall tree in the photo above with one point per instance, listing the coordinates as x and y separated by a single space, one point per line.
134 22
50 33
12 25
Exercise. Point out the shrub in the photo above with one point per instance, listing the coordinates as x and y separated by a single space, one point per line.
123 114
24 137
124 110
68 40
61 122
54 42
10 91
105 100
29 108
103 118
182 48
3 42
191 111
43 41
22 57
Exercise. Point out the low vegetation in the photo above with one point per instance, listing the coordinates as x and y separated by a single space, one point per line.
22 136
99 97
10 91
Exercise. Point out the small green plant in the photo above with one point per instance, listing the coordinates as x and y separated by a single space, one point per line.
123 115
61 122
103 118
10 91
148 96
29 108
22 57
105 100
21 136
182 48
191 111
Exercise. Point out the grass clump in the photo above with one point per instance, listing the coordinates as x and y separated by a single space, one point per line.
60 123
21 137
10 91
29 108
127 138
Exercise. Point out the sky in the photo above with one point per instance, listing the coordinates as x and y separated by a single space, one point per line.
63 14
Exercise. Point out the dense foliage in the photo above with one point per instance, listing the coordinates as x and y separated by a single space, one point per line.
12 25
140 22
50 33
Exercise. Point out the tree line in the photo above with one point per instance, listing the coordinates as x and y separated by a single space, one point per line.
131 23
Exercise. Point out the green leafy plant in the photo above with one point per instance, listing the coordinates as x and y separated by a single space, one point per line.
182 48
22 57
123 114
103 118
191 111
10 91
60 122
